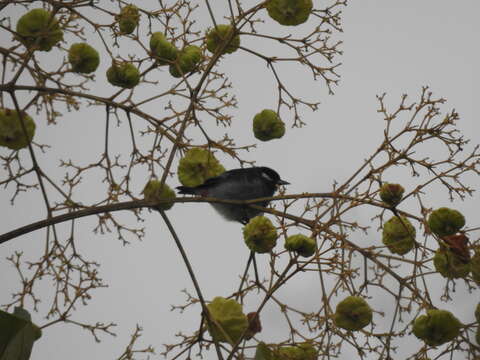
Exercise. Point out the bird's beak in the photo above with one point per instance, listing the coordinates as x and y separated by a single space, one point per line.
283 182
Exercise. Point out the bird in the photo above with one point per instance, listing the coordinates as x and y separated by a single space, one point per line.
238 184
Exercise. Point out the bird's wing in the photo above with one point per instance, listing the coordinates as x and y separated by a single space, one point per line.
223 177
212 181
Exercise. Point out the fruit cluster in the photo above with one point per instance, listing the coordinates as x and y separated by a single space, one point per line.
39 29
289 12
391 194
156 192
353 313
12 134
436 327
301 244
267 125
228 320
445 221
260 235
198 165
83 58
128 19
222 37
124 75
398 235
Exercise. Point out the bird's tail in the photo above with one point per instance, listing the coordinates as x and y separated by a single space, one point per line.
186 190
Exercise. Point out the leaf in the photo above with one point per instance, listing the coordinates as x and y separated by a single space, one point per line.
17 335
263 352
22 314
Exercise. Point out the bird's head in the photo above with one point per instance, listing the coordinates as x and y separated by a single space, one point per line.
271 176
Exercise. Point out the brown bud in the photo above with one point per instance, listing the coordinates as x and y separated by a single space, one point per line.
458 244
254 325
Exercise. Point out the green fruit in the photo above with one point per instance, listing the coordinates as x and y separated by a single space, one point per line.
391 194
263 352
303 351
260 235
289 12
353 313
128 19
475 266
83 58
301 244
437 327
197 166
398 235
186 61
163 50
445 221
38 28
216 38
267 125
450 265
153 191
12 135
124 75
229 321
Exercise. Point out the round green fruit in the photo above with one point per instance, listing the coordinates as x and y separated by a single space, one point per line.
40 29
391 194
260 235
12 134
187 60
301 244
289 12
228 320
217 37
398 235
303 351
267 125
128 19
263 351
436 327
155 192
163 50
450 265
124 75
353 313
83 58
197 166
445 221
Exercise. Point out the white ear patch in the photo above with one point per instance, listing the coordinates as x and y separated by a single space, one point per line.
265 176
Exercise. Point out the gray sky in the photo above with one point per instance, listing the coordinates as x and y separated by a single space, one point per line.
389 46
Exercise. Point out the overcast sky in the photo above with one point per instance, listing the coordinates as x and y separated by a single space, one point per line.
389 46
